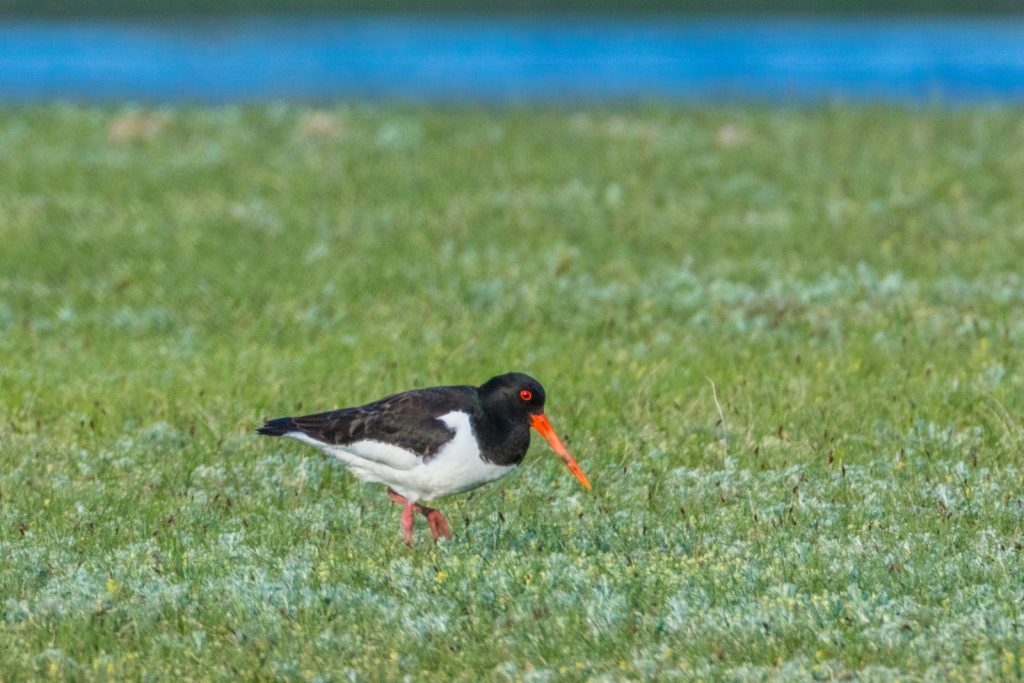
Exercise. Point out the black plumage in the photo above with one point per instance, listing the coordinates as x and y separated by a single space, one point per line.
498 413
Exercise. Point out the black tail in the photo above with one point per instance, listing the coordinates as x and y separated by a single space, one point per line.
278 427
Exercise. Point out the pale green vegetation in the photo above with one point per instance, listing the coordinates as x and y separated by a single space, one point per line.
848 278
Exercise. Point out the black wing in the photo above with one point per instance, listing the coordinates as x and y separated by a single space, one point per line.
407 420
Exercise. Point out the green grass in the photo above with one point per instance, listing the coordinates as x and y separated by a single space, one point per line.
848 278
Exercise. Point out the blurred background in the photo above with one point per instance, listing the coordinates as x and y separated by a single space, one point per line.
915 51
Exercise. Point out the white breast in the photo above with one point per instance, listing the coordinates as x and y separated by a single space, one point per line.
455 468
458 467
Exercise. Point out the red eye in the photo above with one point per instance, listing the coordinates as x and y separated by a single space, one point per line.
526 394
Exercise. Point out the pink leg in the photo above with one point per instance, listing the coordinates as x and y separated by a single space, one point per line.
438 524
407 524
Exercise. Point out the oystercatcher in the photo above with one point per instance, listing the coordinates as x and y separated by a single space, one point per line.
428 443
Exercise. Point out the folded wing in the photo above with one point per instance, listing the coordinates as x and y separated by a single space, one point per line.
399 431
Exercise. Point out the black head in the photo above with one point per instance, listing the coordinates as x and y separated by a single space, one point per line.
520 398
513 394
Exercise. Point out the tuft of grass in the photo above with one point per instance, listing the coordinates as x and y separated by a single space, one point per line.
785 345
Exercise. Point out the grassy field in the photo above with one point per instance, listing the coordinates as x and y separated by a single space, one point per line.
849 279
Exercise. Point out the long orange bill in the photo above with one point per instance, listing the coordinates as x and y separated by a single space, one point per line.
541 424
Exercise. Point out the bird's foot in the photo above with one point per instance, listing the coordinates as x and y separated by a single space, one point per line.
438 524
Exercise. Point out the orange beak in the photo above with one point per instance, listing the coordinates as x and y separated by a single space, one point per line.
541 424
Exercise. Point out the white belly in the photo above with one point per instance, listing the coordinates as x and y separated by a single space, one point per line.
455 468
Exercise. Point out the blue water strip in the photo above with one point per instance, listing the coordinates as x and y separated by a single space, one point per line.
514 59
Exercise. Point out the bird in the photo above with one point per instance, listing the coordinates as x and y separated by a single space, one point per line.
429 443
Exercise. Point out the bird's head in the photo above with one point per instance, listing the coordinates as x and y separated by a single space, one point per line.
521 397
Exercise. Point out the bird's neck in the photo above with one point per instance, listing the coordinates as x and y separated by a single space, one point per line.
502 441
